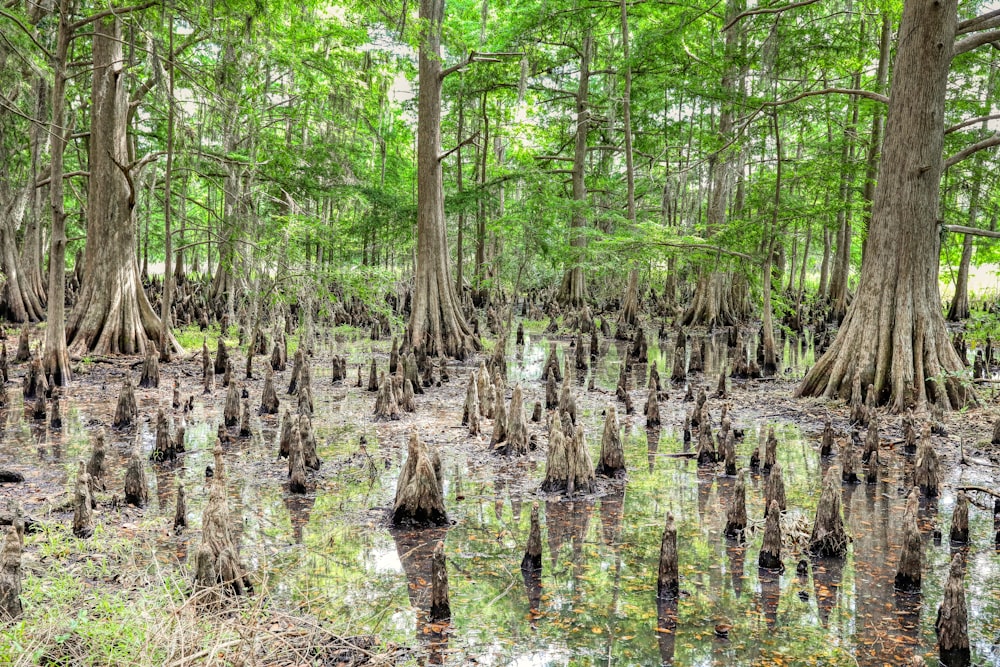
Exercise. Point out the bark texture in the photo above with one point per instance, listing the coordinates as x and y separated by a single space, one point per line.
437 324
894 334
112 314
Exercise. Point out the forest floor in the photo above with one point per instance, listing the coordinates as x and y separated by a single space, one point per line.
336 586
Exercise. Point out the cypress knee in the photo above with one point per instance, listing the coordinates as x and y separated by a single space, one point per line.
849 471
652 410
11 608
612 460
180 510
386 406
126 411
770 551
150 377
668 580
136 487
736 515
308 440
952 624
296 466
419 496
285 441
960 520
927 472
910 566
269 397
826 444
83 511
440 607
231 413
533 551
828 537
373 377
517 427
774 490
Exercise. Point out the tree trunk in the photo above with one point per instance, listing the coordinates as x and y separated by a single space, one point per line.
437 325
112 314
894 335
56 360
714 303
842 258
959 309
573 291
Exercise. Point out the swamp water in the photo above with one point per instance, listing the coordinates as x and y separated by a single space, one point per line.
330 554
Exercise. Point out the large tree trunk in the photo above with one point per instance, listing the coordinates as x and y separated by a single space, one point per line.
715 300
18 302
437 324
56 359
573 291
112 314
894 335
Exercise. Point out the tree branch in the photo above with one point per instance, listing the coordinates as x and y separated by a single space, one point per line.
985 21
975 41
971 231
114 11
989 142
971 121
767 10
474 57
31 36
466 142
72 174
884 99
